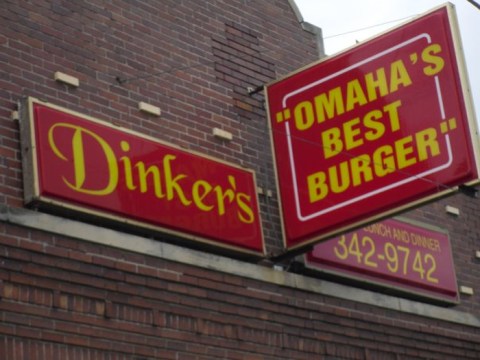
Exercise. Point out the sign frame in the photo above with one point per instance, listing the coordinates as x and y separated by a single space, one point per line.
34 193
288 193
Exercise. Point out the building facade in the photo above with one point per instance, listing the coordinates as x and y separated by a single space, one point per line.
86 287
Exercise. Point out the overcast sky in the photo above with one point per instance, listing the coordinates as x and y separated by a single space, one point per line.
337 17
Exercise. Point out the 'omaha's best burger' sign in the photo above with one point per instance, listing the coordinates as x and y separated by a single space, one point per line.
372 131
76 162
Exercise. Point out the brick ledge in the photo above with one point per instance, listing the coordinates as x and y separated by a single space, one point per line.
142 245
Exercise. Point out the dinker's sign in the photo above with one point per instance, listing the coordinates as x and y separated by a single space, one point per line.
75 162
374 130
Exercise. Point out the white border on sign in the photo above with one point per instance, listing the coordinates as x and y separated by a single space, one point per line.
302 217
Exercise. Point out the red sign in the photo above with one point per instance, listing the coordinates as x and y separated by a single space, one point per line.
372 131
394 254
91 166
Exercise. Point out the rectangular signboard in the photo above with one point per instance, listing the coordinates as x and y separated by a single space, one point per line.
393 254
373 131
72 161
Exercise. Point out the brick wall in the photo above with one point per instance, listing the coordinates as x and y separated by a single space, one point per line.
62 297
193 60
464 233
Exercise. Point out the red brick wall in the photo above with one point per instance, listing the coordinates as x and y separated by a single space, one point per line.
62 296
464 233
65 298
194 60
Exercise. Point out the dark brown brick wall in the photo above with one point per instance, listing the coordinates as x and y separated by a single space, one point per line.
62 298
464 233
195 60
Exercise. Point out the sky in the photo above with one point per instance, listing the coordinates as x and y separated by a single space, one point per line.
342 22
